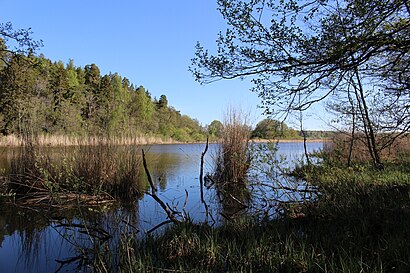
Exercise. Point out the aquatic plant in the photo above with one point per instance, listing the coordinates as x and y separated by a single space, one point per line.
359 223
103 170
232 162
233 158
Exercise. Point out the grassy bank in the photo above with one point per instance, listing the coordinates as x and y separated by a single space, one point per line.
359 224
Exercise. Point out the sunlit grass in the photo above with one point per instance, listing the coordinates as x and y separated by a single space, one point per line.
359 223
83 172
64 140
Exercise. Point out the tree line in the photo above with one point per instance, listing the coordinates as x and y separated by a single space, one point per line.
39 96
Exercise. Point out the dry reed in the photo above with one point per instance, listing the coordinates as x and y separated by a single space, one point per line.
94 170
62 140
233 156
338 147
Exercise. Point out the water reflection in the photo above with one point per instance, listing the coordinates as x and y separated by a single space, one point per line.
52 239
233 198
271 186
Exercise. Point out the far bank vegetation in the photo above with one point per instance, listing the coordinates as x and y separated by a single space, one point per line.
59 103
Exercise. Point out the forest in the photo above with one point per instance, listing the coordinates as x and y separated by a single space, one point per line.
39 96
42 97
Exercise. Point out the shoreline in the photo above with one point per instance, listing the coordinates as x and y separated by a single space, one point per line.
66 141
290 140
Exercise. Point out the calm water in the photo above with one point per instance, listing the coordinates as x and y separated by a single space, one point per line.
52 240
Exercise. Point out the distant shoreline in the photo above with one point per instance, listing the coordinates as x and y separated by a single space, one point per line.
290 140
64 141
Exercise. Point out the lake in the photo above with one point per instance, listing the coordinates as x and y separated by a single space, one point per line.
58 240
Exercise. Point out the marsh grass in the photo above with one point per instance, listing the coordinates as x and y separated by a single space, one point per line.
232 162
88 172
64 140
233 158
359 224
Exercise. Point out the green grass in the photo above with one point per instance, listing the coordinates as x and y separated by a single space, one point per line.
360 223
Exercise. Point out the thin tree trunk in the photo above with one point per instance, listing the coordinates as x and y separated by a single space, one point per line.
304 138
352 138
371 139
364 112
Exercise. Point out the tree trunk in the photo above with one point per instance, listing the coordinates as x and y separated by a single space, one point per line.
368 127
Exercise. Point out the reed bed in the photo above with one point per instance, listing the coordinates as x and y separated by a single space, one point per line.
232 162
86 173
233 158
62 140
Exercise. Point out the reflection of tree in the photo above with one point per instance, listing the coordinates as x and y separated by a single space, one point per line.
88 235
26 223
161 166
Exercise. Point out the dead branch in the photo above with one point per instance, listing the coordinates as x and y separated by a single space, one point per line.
153 192
201 178
158 226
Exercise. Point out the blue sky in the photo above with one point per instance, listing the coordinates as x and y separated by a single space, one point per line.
149 42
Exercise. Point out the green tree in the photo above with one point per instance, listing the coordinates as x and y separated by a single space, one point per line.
92 76
72 76
270 129
24 98
300 53
92 81
141 108
119 114
215 128
162 102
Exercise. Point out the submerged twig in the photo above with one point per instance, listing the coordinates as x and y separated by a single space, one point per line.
69 261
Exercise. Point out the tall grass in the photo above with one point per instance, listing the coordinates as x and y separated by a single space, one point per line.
103 170
232 162
233 157
341 147
63 140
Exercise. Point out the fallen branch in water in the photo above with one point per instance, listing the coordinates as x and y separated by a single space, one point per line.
94 232
158 226
153 194
286 188
62 263
201 179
